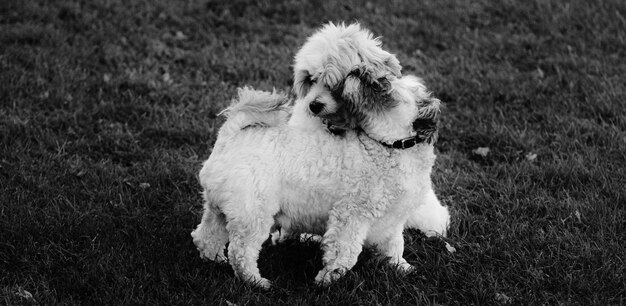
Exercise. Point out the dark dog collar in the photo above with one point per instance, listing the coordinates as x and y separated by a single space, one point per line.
426 130
407 142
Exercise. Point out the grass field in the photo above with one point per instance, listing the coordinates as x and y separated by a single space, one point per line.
108 108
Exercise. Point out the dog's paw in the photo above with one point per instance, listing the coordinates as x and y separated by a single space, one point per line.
326 277
208 249
263 283
405 267
258 281
213 256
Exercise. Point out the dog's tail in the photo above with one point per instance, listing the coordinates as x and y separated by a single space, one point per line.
255 108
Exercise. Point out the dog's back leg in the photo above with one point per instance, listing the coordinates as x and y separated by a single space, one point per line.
210 237
247 233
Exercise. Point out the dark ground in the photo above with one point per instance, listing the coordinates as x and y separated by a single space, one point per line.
108 108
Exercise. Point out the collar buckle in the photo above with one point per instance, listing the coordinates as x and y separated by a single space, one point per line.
404 143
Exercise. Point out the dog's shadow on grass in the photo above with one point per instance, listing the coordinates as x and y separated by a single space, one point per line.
292 263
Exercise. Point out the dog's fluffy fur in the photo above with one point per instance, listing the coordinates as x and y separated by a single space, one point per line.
351 188
320 67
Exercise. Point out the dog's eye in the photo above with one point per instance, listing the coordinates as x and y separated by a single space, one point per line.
381 84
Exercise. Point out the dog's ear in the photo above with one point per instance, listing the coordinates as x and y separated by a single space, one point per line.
365 90
381 84
430 109
367 76
302 83
427 123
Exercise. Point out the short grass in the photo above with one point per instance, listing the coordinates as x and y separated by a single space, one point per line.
108 108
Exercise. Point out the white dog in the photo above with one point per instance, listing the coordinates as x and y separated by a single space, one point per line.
355 189
321 65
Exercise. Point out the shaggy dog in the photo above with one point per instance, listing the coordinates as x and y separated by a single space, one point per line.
354 189
320 66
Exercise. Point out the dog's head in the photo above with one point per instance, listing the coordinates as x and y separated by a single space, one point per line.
385 107
322 65
331 53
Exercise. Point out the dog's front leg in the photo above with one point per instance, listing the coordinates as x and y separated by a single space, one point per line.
210 237
393 248
342 243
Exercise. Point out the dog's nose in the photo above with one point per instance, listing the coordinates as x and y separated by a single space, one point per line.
316 107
